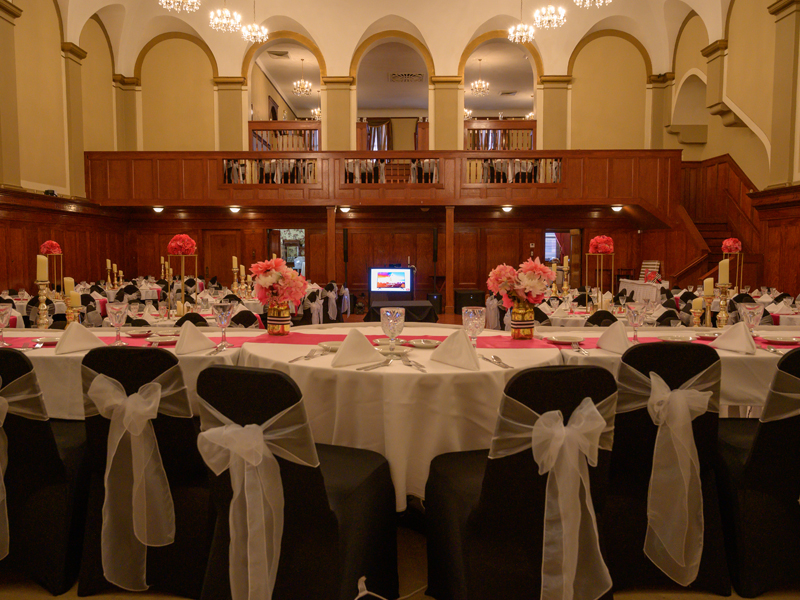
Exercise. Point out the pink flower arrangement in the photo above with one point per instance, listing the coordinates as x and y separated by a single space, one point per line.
731 246
528 284
276 283
181 244
601 244
651 276
50 247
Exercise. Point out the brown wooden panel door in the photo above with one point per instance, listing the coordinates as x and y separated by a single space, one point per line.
148 255
466 244
502 246
255 247
218 248
361 260
316 253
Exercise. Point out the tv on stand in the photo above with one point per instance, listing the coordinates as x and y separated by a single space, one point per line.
387 283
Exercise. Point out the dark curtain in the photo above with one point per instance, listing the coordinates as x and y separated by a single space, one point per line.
564 243
379 134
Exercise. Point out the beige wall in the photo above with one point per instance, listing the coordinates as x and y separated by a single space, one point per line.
177 97
261 89
403 131
40 97
98 98
694 38
614 119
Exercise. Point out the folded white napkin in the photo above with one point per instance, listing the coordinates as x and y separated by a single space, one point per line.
192 340
97 295
76 338
614 339
765 299
779 309
24 295
658 311
457 350
608 297
356 350
737 339
546 308
149 311
561 311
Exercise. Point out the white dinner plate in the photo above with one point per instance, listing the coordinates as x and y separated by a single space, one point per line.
330 346
564 339
676 338
164 340
424 344
139 333
708 336
397 350
46 341
786 341
167 332
387 341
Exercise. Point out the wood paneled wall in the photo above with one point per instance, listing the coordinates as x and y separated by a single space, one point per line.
779 213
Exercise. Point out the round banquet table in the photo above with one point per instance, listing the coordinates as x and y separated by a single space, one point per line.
641 290
408 416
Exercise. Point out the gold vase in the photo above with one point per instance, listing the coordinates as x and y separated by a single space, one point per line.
522 318
279 320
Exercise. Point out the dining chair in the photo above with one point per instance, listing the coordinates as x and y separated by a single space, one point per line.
599 319
177 568
45 498
244 318
485 516
582 299
687 297
759 488
339 517
626 511
191 317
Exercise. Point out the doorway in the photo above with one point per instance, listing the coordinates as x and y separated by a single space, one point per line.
293 248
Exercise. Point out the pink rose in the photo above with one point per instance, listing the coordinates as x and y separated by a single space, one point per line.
181 245
601 244
276 283
731 246
50 247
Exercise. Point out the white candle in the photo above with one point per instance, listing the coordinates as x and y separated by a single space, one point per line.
697 304
41 268
114 267
162 260
69 285
108 263
120 273
554 267
566 261
241 271
249 279
724 271
74 299
179 308
708 287
274 256
235 263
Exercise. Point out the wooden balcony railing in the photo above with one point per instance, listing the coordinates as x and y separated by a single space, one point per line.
284 136
499 135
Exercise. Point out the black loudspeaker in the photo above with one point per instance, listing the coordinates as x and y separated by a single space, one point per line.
435 245
344 244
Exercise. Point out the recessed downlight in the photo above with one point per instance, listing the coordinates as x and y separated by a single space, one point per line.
158 209
234 209
344 209
616 208
507 209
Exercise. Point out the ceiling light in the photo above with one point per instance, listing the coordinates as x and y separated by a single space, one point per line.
234 209
302 87
522 33
223 20
344 209
549 17
180 5
158 209
480 87
616 208
255 33
507 209
316 113
591 3
467 114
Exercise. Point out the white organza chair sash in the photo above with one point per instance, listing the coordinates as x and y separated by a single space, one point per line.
674 540
363 591
21 397
783 399
256 511
572 565
138 509
346 301
333 295
492 313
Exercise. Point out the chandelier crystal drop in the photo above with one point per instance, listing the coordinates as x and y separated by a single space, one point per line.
591 3
522 33
480 87
180 5
549 17
223 20
302 87
255 33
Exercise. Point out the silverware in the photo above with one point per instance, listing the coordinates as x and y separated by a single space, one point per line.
577 347
494 362
385 363
25 347
774 350
37 346
499 362
311 354
413 364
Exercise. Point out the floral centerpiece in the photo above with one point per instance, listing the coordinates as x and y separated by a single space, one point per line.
652 276
601 244
275 286
182 245
50 247
732 246
520 290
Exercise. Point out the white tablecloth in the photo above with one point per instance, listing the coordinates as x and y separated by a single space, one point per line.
641 291
22 307
407 416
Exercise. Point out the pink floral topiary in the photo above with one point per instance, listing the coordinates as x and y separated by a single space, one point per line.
276 283
731 246
50 247
182 245
601 244
527 284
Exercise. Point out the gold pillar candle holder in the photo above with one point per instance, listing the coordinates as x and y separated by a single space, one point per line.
522 320
279 319
737 259
41 318
162 271
235 284
183 258
599 263
565 283
109 283
722 316
70 313
709 301
57 272
697 318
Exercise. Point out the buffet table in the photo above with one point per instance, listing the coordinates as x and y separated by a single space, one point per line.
641 290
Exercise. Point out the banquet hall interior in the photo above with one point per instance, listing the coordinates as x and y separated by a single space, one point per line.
617 152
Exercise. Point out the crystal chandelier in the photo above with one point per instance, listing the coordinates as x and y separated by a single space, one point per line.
180 5
480 87
223 20
316 113
550 17
302 87
255 33
522 33
467 114
591 3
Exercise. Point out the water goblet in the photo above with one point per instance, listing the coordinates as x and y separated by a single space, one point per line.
690 288
745 289
573 308
222 314
474 320
554 302
635 314
5 317
163 309
117 312
751 313
392 321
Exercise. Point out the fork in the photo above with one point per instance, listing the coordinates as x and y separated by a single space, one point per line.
311 354
774 350
577 347
411 363
385 363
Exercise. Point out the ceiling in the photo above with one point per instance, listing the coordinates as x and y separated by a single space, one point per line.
376 91
284 70
507 68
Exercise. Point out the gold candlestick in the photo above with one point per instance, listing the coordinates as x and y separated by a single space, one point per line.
108 278
565 284
162 271
235 284
697 318
722 317
70 314
41 318
709 300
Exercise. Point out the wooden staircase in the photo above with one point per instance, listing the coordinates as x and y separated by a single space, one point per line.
714 234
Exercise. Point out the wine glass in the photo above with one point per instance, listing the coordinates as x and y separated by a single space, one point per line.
474 320
751 313
5 317
554 302
392 321
163 309
222 314
745 289
636 314
690 288
573 308
117 312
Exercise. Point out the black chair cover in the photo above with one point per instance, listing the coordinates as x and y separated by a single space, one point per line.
339 519
485 518
34 303
599 318
96 288
665 319
12 292
195 318
244 318
87 300
625 518
178 568
140 323
7 301
582 299
232 298
45 491
688 296
58 325
538 315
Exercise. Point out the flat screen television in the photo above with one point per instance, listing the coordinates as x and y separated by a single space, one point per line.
390 280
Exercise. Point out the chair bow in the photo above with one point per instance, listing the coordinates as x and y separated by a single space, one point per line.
21 397
572 565
256 510
346 301
332 295
138 509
